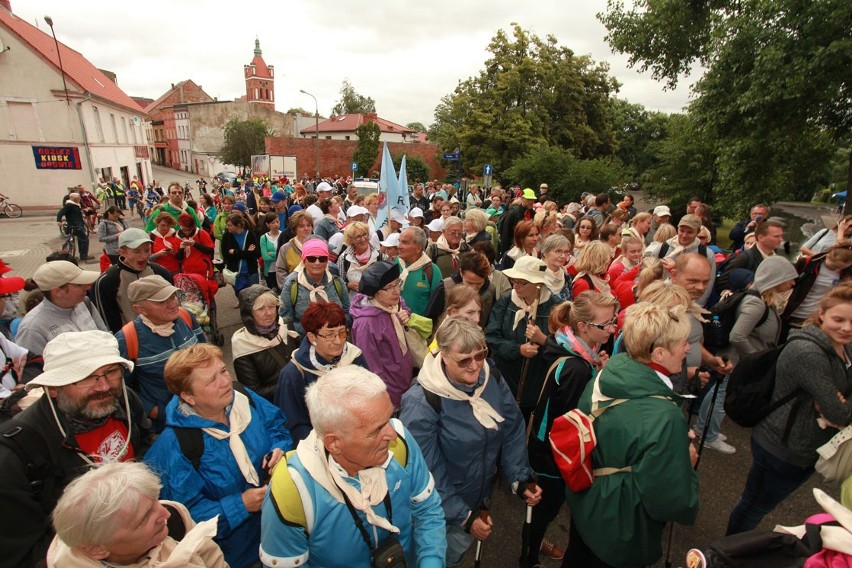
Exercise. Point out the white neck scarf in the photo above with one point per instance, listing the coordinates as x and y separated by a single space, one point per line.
393 312
599 284
413 267
325 471
164 330
317 291
554 280
350 353
445 246
675 248
524 309
433 378
239 419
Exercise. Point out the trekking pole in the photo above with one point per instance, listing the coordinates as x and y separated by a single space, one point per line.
525 533
525 368
483 516
719 379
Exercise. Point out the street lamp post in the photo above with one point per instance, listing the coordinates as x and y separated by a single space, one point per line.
316 127
49 22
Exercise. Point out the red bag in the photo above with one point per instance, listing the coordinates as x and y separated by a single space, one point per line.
572 441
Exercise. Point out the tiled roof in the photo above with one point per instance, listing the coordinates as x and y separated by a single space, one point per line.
260 68
349 122
77 68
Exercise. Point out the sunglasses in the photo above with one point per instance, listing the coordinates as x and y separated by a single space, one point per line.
315 259
465 362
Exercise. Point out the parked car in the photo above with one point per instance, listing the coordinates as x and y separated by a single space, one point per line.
230 177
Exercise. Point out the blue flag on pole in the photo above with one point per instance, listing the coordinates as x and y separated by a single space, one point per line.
393 188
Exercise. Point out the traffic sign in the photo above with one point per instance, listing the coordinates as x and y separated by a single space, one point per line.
451 156
354 167
488 170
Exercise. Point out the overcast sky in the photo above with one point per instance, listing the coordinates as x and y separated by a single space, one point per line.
404 54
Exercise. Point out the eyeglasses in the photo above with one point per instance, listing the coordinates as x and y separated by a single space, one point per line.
466 362
111 375
362 236
519 282
316 259
611 323
339 335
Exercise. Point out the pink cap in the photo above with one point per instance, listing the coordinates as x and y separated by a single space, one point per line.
314 247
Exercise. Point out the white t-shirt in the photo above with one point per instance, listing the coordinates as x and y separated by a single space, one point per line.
11 351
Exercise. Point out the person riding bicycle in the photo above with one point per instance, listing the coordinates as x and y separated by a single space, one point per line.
90 205
73 214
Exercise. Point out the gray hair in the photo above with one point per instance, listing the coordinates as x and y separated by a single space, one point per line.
419 236
333 398
452 221
461 333
91 507
553 242
478 218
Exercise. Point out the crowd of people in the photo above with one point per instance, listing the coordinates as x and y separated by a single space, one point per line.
385 374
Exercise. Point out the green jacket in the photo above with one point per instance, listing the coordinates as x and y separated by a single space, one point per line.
622 516
219 223
173 211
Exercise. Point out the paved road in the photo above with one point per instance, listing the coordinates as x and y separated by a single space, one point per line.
26 241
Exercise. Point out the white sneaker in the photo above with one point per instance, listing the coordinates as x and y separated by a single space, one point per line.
720 446
722 437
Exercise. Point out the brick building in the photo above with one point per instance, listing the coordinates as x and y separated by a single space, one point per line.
336 155
342 127
163 131
260 80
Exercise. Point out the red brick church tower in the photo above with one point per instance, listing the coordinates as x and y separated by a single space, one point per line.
260 80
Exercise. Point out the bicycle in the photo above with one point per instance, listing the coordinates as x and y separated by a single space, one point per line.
70 243
10 210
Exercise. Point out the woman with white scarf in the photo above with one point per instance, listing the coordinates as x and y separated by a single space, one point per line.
555 252
513 337
357 256
379 316
592 266
290 254
165 244
464 418
241 436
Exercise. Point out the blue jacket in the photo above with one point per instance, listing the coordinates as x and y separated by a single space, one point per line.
216 487
292 382
461 453
154 350
331 539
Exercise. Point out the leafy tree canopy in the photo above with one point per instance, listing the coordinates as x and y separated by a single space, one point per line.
775 98
566 176
531 92
351 102
244 138
368 147
299 111
415 167
417 126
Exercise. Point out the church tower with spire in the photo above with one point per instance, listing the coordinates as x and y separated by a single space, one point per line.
260 80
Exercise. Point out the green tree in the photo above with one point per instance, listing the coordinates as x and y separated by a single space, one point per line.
531 92
244 138
299 111
368 147
351 102
566 175
417 126
775 99
636 129
415 167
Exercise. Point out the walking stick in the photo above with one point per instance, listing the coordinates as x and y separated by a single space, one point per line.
525 533
483 515
525 368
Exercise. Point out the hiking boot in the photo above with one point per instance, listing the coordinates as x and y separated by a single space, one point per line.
550 550
720 446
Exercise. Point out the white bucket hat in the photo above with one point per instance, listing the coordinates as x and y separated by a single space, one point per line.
528 268
74 355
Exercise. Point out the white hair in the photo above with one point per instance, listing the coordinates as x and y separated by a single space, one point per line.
452 221
333 398
90 509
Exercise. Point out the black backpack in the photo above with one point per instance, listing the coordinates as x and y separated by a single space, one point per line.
720 321
750 386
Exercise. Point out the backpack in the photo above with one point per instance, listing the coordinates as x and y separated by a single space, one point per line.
720 321
294 290
287 498
748 399
131 338
191 441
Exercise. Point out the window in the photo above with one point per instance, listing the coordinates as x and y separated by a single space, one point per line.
99 128
24 122
114 127
124 128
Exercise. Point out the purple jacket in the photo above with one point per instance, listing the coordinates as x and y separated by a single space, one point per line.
373 333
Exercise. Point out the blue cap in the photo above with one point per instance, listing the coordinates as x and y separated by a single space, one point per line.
240 206
278 196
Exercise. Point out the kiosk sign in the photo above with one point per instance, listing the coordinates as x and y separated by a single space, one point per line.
57 158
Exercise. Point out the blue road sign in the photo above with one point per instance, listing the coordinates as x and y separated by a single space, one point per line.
451 156
488 170
354 167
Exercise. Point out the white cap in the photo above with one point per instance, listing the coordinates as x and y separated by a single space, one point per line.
662 211
436 226
72 356
356 210
399 217
391 241
323 186
58 273
416 212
